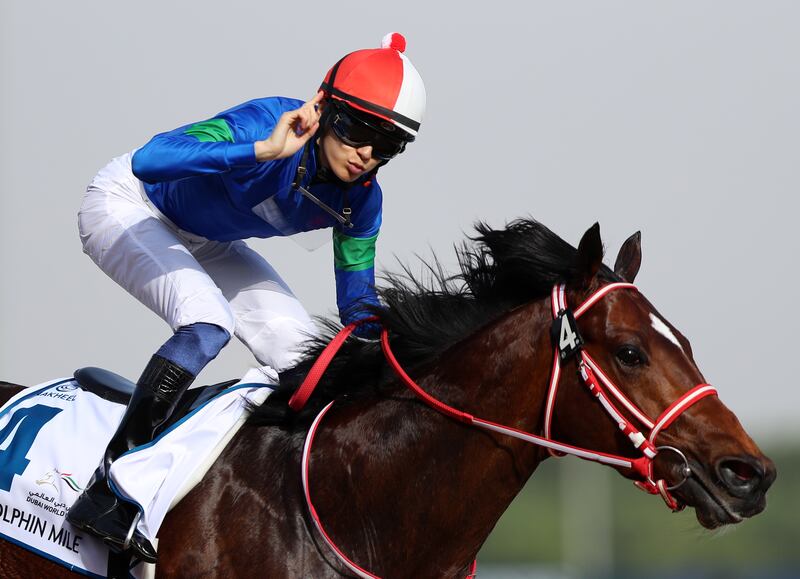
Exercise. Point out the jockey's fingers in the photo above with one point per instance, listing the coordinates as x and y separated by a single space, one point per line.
313 105
288 123
306 121
316 99
314 110
305 136
287 120
295 121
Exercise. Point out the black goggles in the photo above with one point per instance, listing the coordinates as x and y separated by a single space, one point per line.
356 133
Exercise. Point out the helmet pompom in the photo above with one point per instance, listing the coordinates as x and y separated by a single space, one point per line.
394 40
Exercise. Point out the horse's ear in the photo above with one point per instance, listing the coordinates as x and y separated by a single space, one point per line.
589 257
629 258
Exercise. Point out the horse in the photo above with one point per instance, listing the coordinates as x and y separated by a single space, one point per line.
405 491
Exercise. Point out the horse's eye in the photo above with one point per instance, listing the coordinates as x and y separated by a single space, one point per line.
630 356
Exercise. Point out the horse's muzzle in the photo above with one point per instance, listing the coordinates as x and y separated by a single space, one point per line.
735 491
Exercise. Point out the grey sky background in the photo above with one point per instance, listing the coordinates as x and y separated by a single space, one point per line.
676 118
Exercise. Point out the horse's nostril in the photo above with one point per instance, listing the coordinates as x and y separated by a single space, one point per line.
741 470
740 477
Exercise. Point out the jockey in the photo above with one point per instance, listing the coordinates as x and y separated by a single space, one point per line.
167 223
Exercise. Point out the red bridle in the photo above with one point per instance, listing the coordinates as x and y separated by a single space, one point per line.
599 384
594 378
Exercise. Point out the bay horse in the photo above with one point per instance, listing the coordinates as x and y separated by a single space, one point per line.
404 491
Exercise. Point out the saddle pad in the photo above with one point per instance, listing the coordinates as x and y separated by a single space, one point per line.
53 436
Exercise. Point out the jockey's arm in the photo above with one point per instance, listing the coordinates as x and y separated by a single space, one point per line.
212 146
354 259
354 267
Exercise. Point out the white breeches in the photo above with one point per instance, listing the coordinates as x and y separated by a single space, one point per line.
185 278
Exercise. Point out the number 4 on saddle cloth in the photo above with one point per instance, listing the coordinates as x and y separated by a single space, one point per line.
52 437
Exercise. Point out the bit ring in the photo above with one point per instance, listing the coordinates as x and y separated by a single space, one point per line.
686 470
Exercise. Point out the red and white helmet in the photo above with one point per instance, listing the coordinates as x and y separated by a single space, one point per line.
381 82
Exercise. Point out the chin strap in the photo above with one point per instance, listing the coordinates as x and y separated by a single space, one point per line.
344 218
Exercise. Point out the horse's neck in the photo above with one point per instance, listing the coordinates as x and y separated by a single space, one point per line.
500 373
425 488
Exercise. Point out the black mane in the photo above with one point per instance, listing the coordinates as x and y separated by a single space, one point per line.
426 314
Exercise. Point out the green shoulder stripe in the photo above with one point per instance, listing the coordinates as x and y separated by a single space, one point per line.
353 253
214 130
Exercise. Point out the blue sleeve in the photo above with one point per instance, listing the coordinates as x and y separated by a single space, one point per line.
354 291
354 258
212 146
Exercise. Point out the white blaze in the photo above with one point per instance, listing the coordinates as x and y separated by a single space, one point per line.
663 329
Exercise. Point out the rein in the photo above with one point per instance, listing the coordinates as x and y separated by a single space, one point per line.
568 343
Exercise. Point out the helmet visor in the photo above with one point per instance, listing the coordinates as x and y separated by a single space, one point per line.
357 133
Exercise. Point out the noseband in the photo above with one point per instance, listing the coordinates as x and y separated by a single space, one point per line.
568 343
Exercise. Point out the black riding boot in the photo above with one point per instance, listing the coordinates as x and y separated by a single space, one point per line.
98 510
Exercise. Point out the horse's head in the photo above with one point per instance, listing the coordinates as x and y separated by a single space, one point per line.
651 362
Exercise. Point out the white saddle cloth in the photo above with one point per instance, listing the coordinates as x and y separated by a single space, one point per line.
52 437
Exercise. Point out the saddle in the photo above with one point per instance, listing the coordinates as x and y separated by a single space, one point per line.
54 435
117 389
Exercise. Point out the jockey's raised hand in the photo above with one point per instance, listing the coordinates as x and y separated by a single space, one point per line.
293 130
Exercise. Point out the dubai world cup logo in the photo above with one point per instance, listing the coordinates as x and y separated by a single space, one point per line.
50 478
